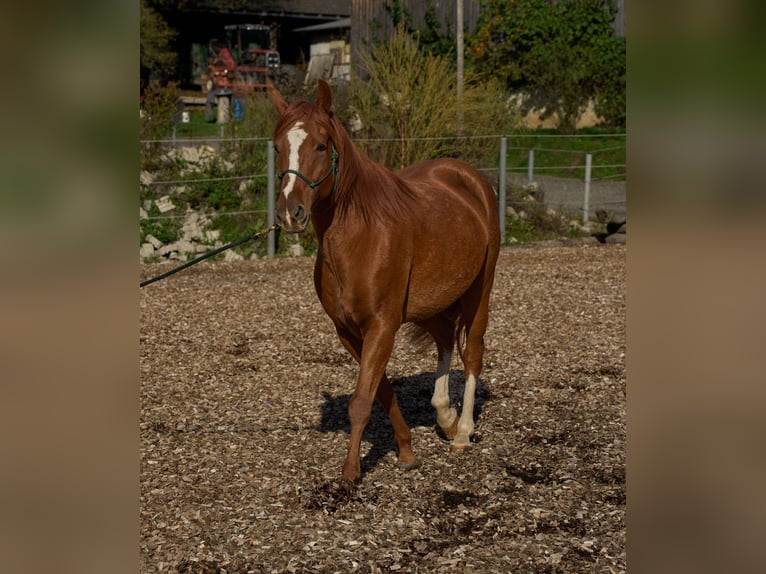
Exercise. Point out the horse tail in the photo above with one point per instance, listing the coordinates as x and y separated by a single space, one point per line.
418 337
450 328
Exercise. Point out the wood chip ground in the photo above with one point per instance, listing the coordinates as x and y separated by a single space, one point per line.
243 428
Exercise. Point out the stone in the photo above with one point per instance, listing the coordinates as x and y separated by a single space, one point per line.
142 213
146 178
232 255
295 250
191 229
164 204
616 239
146 251
168 249
244 185
153 241
184 246
189 154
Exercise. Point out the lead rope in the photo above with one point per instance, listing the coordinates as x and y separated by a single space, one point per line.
216 251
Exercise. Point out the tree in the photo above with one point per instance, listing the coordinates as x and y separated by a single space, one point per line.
561 54
158 59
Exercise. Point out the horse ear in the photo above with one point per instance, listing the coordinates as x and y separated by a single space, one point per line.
276 98
324 96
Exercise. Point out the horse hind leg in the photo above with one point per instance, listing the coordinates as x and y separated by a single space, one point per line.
442 329
475 319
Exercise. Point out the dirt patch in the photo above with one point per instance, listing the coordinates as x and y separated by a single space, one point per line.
244 391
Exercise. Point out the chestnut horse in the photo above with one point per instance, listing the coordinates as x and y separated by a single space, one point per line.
414 246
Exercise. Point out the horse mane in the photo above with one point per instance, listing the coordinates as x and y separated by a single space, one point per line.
364 187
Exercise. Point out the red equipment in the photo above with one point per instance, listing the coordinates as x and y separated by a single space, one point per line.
244 62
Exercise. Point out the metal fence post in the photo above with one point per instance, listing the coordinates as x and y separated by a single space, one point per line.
531 166
271 238
501 187
586 196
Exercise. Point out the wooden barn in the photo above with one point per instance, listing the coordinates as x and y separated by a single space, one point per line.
200 21
334 31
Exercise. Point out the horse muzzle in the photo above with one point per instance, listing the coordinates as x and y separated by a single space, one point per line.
293 219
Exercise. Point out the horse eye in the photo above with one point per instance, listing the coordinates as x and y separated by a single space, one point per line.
321 147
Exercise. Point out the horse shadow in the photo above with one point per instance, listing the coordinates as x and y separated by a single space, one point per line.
413 395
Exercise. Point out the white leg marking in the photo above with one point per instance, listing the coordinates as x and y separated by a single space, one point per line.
465 424
295 138
440 400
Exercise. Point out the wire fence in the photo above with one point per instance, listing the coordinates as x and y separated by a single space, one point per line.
566 171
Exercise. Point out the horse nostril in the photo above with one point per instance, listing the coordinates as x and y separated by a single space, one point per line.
299 213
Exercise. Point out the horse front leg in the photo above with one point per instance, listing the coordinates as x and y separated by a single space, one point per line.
387 398
376 350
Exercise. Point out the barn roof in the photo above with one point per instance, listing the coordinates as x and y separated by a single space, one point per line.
282 8
334 25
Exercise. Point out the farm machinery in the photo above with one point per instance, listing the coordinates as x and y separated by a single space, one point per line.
244 61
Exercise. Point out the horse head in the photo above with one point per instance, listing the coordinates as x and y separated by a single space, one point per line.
307 159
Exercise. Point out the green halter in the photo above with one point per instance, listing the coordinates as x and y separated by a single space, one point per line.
313 184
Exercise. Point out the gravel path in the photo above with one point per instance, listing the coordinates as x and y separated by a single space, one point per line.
244 390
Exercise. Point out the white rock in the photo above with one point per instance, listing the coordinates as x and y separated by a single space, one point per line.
191 229
244 184
151 239
232 256
206 152
142 213
295 250
184 246
190 154
146 178
146 251
168 249
164 204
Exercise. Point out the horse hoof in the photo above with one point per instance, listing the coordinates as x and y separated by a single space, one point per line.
408 465
451 432
460 446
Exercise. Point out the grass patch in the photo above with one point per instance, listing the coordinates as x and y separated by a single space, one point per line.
564 156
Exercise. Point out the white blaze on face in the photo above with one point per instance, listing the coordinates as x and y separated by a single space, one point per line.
295 138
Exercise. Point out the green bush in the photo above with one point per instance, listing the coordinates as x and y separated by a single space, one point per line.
410 93
158 106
